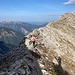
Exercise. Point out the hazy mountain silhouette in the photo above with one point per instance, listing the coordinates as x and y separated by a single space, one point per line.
21 27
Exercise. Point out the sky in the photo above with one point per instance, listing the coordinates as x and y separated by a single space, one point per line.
34 10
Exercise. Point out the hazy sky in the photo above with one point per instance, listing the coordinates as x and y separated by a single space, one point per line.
34 10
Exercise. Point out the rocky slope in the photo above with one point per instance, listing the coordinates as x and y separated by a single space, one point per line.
19 62
54 53
58 38
4 48
10 36
9 39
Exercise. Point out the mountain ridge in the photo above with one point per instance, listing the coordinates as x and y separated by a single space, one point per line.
7 35
21 27
54 53
9 39
59 40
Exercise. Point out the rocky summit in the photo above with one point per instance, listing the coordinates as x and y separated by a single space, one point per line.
54 53
58 38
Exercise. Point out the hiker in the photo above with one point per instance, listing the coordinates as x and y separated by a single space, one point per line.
33 39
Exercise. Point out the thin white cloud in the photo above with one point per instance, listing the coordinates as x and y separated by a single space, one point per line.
72 2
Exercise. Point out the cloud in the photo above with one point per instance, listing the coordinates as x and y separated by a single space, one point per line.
72 2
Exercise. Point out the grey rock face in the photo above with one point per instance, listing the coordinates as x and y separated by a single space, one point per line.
19 62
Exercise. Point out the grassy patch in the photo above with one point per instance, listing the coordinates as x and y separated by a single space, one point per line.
53 73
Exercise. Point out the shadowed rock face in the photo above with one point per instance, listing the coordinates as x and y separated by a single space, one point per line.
58 38
19 62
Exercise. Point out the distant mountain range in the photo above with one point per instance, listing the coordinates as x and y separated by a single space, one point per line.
21 27
9 39
10 36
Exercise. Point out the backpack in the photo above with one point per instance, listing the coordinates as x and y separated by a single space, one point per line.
33 39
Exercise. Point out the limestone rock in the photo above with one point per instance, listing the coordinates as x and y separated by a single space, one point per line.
58 38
